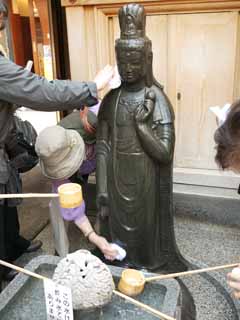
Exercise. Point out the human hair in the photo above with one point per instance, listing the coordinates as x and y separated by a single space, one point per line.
227 139
84 117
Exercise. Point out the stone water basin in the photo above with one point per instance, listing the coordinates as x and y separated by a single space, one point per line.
23 298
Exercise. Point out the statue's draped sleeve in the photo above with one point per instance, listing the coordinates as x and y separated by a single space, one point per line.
103 147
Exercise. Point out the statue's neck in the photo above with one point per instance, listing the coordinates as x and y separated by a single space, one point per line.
133 87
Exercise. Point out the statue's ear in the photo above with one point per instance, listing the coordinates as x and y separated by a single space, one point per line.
149 73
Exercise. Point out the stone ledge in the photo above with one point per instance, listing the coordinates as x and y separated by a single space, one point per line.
219 210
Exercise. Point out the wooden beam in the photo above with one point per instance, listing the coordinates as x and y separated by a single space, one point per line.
203 4
158 8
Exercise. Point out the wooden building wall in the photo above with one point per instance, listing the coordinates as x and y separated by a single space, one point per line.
196 58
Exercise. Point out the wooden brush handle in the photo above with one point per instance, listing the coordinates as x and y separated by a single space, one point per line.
189 273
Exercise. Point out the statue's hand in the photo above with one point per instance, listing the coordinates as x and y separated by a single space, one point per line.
143 112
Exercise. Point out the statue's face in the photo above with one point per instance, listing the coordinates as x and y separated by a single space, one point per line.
131 64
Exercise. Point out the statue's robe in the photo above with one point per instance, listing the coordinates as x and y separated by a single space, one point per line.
139 186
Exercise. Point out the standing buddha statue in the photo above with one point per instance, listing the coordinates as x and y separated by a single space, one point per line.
135 148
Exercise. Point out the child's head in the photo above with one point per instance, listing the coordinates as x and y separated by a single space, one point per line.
61 152
227 138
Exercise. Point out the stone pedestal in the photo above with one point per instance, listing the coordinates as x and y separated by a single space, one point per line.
23 299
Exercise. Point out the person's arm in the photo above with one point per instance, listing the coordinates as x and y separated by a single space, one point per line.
21 87
88 231
79 217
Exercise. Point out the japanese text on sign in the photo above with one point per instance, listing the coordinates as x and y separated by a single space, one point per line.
58 301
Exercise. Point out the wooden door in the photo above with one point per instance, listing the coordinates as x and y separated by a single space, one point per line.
40 32
195 58
201 64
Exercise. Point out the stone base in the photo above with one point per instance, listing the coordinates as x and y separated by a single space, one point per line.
24 297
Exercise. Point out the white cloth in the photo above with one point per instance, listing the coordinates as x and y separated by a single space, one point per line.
221 113
115 82
121 252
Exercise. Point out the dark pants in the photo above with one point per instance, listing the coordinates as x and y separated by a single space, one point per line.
12 245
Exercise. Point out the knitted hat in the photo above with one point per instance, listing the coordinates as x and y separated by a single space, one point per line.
61 152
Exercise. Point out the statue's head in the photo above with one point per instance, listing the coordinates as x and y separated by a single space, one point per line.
3 14
134 49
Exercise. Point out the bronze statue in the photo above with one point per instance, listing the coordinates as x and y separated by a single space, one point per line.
135 146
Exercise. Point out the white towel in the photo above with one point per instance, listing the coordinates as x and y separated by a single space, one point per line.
115 82
121 252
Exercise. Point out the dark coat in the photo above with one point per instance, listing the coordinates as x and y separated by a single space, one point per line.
19 87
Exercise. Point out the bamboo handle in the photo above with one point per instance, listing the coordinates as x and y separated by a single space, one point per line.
145 307
29 273
28 195
155 312
189 273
